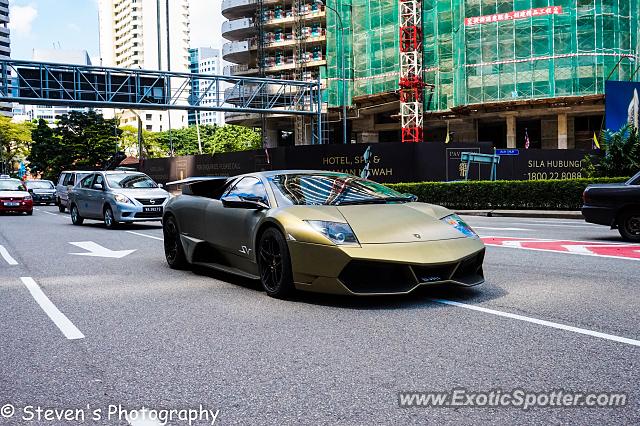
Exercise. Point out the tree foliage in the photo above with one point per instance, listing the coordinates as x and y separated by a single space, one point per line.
15 140
151 146
621 155
214 139
80 140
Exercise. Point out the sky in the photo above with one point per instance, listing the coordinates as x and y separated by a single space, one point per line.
73 24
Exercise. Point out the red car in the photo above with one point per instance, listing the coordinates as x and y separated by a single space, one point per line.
14 197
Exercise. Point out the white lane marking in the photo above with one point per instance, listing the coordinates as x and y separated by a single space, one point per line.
145 235
553 224
52 214
96 250
69 330
500 229
7 257
541 322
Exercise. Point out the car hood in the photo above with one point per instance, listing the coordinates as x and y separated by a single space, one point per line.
142 193
386 223
14 194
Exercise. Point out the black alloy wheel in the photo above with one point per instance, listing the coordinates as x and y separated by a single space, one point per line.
173 250
275 264
629 225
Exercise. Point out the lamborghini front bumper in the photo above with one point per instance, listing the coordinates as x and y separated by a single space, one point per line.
395 268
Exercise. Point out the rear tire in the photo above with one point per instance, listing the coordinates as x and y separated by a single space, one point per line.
629 225
274 264
108 218
76 219
60 206
173 250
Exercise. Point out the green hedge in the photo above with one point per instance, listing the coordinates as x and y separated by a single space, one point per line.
503 194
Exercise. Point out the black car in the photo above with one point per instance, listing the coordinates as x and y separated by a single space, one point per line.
616 205
42 191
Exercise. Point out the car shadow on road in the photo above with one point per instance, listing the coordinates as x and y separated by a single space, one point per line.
122 227
417 299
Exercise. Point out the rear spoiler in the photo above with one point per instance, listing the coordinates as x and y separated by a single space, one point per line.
191 180
204 186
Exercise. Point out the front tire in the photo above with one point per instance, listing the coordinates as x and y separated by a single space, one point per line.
76 219
173 250
108 218
629 225
61 208
274 264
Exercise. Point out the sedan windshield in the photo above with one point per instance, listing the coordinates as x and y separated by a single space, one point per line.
331 189
130 181
39 184
11 185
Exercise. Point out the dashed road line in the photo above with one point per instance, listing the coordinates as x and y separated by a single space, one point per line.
145 235
485 228
545 323
6 256
67 328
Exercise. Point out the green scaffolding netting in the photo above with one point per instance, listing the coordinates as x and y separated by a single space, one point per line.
550 55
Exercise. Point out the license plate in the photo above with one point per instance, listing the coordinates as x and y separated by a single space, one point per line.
11 204
152 209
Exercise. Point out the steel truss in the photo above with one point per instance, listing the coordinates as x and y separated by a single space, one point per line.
411 76
40 83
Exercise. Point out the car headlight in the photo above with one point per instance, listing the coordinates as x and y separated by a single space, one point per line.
28 198
339 233
122 199
455 221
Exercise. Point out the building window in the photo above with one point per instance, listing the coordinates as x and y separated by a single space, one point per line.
149 127
149 117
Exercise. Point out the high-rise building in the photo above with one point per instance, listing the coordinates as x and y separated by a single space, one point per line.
204 60
499 69
5 45
146 34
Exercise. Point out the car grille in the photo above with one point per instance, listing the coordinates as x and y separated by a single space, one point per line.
362 276
148 201
12 199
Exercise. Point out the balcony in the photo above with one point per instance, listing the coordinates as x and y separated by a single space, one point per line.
238 52
233 9
279 17
238 29
240 70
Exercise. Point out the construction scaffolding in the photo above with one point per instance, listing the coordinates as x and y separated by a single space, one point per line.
481 51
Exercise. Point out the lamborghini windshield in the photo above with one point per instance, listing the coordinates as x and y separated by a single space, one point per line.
331 189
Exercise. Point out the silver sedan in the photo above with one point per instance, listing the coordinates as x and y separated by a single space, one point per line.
117 197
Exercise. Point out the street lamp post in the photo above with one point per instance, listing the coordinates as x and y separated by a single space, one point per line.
342 70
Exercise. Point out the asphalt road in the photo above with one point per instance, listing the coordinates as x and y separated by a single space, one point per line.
139 334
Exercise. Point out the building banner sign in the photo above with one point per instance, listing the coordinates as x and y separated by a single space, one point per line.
516 14
622 104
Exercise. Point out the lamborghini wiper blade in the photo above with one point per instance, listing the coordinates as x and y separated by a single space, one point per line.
374 201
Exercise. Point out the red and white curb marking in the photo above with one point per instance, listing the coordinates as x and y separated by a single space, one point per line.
584 248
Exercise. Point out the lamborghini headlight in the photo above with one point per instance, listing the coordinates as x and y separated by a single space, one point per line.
122 199
455 221
339 233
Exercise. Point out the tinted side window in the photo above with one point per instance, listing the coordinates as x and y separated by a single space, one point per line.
99 180
249 187
68 179
62 179
86 182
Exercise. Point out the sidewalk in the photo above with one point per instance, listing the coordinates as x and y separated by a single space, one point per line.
553 214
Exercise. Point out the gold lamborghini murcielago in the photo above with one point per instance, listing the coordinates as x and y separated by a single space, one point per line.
319 231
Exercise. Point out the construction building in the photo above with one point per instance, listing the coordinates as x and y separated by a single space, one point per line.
462 70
